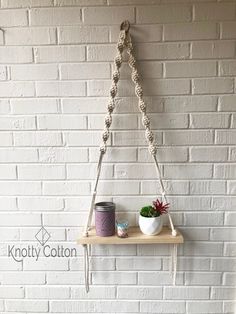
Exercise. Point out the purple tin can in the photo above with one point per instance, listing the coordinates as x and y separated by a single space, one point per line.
105 219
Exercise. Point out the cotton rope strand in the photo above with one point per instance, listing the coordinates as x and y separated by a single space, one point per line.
124 41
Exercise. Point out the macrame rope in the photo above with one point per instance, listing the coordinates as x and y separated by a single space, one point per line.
124 41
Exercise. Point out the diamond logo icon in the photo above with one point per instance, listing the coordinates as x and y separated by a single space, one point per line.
42 236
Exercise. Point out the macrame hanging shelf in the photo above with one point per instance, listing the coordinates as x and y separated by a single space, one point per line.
168 235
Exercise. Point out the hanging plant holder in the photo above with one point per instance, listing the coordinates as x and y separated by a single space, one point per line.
167 235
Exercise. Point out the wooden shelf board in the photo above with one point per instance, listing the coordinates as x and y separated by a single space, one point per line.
135 237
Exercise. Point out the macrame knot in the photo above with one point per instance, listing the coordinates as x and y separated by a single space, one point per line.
149 135
139 91
142 106
108 120
118 61
113 91
131 61
105 136
152 149
146 121
116 76
111 106
120 46
102 149
135 76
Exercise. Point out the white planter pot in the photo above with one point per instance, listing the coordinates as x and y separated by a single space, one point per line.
150 226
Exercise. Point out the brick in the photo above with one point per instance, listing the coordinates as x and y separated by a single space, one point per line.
88 171
41 172
114 155
63 88
25 3
18 154
228 30
37 139
171 187
190 31
54 154
94 306
13 18
42 203
188 137
190 103
135 171
212 49
3 73
167 121
213 86
85 71
162 51
33 106
162 307
16 54
86 34
204 154
201 279
133 138
26 306
229 279
100 263
190 69
187 171
234 121
224 293
83 138
230 248
108 15
95 292
207 187
54 122
197 307
225 137
225 171
64 3
17 123
9 265
59 54
165 154
100 52
214 12
47 292
203 249
12 292
109 250
226 203
63 188
186 293
55 16
139 293
9 234
20 219
163 14
223 234
190 203
7 172
23 278
127 121
209 120
230 219
65 278
191 264
120 188
4 106
227 68
6 139
138 263
20 188
141 33
118 277
84 105
34 72
223 264
17 89
30 36
205 219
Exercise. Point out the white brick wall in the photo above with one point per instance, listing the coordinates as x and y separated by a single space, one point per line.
55 70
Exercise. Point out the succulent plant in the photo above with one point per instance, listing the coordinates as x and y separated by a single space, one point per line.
158 209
